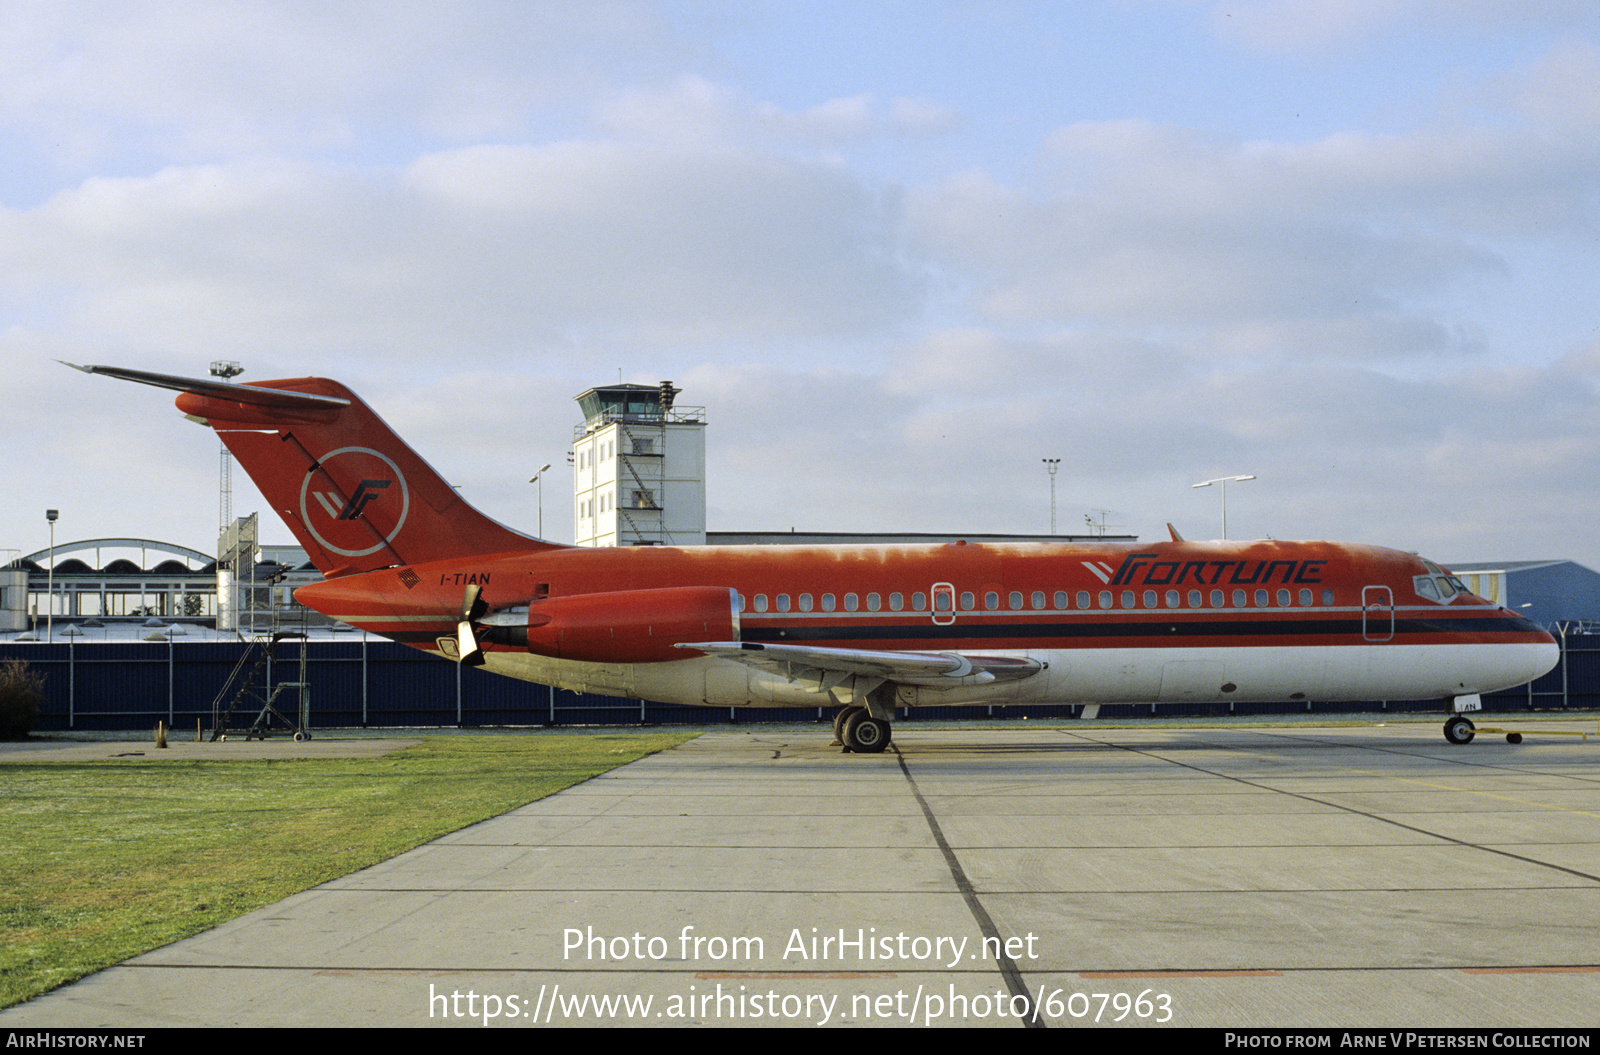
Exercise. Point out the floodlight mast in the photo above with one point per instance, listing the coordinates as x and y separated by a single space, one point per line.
1223 480
538 478
50 581
1050 466
227 369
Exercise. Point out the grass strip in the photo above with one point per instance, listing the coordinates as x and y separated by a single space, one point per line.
101 861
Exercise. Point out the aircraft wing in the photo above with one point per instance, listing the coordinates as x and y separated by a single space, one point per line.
935 669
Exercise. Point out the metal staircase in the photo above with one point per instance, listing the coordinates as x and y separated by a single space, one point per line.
258 691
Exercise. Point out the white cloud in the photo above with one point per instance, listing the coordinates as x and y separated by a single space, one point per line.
1558 90
692 109
90 85
478 249
1304 26
1145 225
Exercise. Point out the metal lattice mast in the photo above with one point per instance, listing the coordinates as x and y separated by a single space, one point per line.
226 369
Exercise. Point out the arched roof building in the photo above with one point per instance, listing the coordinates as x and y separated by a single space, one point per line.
102 579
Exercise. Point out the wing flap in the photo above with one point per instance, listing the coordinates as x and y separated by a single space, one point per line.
932 669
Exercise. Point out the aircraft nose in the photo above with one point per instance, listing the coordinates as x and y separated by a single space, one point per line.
1542 652
1544 657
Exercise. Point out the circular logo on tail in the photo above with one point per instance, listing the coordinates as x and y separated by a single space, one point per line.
354 502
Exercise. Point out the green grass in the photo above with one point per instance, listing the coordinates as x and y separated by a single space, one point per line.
100 861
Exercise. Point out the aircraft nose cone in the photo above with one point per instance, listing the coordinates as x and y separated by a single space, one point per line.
1543 658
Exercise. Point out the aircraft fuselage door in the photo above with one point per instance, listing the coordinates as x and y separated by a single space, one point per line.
1377 613
944 603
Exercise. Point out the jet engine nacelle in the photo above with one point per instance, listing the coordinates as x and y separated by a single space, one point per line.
630 626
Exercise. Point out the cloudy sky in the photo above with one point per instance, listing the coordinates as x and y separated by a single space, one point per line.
901 252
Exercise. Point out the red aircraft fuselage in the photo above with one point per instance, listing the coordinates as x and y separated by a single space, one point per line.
862 628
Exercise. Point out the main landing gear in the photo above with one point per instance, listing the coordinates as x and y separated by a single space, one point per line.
859 732
1458 729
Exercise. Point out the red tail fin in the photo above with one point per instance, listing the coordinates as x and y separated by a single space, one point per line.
354 494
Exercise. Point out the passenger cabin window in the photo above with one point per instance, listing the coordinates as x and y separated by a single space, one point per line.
991 600
805 602
783 602
968 601
1038 600
827 602
851 602
896 603
1016 600
1129 600
1240 598
919 602
1173 599
1083 600
1196 599
1150 599
874 602
1105 598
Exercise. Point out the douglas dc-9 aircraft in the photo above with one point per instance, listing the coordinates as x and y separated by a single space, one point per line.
864 629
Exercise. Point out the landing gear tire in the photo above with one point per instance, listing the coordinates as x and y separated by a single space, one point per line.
841 716
864 734
1459 730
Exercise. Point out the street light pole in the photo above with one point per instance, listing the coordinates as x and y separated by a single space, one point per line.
1223 480
1050 466
50 580
538 478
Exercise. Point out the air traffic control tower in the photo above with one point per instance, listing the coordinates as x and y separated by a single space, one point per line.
639 468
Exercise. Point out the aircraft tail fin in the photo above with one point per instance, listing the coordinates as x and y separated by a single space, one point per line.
354 494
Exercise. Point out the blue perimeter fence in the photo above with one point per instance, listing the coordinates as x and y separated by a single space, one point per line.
378 683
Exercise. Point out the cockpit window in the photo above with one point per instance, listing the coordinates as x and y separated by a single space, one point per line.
1438 585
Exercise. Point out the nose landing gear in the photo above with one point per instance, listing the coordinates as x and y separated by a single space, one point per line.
1458 729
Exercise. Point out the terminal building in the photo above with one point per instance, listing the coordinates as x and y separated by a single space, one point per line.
108 578
106 582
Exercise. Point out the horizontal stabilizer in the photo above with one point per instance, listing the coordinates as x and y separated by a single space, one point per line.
236 393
